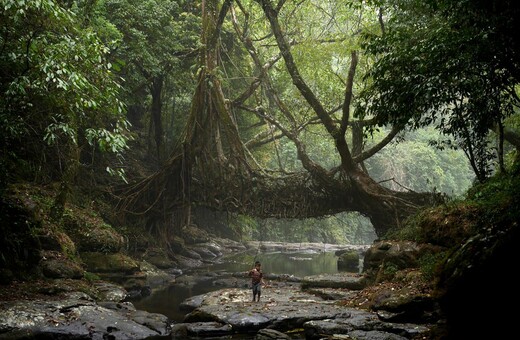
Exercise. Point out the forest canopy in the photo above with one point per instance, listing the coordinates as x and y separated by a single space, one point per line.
316 107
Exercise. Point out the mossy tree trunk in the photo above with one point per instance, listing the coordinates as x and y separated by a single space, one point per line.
67 181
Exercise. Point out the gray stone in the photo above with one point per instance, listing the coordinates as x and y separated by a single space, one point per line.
208 329
340 280
348 261
268 334
192 302
374 335
76 317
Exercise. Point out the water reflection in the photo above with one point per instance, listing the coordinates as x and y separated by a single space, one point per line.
166 301
297 264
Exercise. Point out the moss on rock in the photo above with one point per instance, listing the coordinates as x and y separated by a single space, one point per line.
97 262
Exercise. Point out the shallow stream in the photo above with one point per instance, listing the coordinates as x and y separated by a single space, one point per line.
166 301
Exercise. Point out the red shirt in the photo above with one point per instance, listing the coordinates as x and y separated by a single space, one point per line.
256 276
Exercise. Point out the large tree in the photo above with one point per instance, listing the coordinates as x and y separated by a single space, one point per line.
217 168
453 64
58 96
153 40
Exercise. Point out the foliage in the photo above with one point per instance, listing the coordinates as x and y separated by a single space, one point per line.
495 200
430 263
91 277
345 228
451 64
157 41
57 85
486 206
412 163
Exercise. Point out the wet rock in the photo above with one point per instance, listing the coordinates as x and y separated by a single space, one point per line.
348 261
192 303
200 329
75 316
98 262
158 258
374 335
282 277
186 262
359 324
247 321
174 271
340 280
213 248
55 265
267 334
209 329
156 277
229 246
281 309
204 252
110 292
138 292
154 321
188 252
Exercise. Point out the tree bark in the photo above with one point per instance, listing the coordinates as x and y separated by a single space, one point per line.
67 181
385 208
156 91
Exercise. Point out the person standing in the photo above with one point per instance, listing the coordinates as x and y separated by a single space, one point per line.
256 280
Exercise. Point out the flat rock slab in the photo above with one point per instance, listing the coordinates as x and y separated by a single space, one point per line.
282 309
76 316
339 280
362 325
289 309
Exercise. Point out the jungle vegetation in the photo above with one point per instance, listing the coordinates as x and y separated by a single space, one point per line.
262 109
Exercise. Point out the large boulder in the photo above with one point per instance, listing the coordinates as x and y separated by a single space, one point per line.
384 259
76 316
55 265
98 262
158 257
348 260
93 235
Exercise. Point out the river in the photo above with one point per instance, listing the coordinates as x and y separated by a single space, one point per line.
166 301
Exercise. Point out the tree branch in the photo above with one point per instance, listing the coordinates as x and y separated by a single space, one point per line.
376 148
297 79
218 25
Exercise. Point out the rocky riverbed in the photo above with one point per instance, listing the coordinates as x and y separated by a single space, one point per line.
289 311
315 307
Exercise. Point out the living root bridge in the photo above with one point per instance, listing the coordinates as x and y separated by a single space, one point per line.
254 193
257 193
212 166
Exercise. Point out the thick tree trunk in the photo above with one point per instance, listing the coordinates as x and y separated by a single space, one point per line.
156 91
197 174
67 181
384 207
